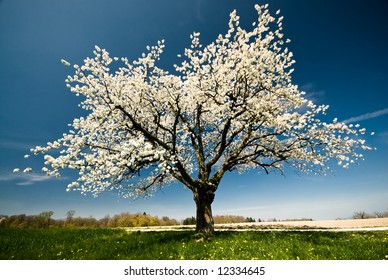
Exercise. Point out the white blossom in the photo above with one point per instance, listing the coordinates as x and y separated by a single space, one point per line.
27 170
64 62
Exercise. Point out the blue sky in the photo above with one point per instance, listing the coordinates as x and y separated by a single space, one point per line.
340 48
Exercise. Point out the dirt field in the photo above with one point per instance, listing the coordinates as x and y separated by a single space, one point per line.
365 224
329 224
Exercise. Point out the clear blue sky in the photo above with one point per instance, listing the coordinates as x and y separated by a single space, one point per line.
341 58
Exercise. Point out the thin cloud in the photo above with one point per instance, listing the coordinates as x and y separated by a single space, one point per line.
30 179
7 177
25 179
367 116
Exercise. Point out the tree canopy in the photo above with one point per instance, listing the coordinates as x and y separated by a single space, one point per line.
230 105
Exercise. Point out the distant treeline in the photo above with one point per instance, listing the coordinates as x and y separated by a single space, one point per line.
223 219
45 220
365 215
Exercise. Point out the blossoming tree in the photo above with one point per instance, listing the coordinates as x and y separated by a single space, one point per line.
230 105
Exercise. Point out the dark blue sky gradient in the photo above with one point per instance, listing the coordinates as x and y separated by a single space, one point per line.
340 48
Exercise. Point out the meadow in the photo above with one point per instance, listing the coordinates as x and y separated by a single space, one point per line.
117 244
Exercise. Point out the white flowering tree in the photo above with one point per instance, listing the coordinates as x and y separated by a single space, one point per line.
230 106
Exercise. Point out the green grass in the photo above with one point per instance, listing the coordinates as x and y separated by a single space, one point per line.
103 244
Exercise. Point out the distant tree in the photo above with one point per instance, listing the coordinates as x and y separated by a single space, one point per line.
104 222
113 221
69 215
166 221
379 214
361 215
18 221
125 220
189 221
250 220
84 222
228 219
45 218
231 106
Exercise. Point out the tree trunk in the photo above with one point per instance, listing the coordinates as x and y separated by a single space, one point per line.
203 200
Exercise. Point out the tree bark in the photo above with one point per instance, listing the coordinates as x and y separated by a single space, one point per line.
203 200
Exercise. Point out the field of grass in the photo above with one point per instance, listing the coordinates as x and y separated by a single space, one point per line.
113 244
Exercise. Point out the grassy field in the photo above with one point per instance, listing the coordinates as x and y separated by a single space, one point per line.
104 244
